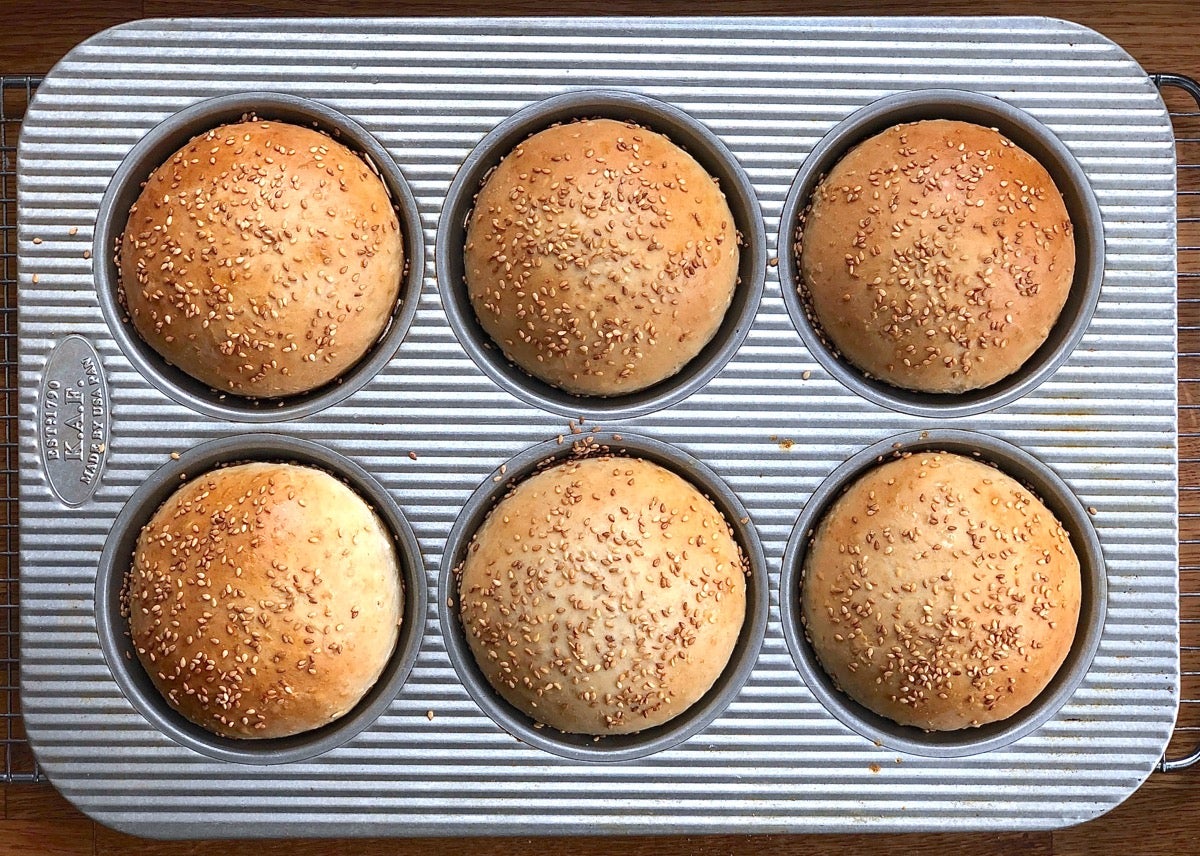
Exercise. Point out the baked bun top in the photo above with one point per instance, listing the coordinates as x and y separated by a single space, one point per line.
600 257
264 599
936 256
603 595
940 593
263 259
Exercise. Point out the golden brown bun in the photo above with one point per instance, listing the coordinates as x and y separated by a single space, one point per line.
262 258
264 599
603 595
940 593
936 256
600 257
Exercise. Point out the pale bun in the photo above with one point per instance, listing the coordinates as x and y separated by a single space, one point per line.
264 599
603 596
936 256
262 258
940 593
600 257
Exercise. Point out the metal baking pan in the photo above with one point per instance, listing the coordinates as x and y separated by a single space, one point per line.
771 424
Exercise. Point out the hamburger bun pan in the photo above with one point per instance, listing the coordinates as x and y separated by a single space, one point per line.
1053 492
436 755
622 747
687 133
163 141
1032 136
113 628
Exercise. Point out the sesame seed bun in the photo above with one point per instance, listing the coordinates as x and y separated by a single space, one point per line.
939 593
936 256
262 258
600 257
264 599
603 595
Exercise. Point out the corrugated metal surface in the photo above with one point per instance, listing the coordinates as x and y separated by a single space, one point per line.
776 760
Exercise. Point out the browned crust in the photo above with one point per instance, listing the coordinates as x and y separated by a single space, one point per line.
264 600
940 593
600 257
603 596
936 256
262 258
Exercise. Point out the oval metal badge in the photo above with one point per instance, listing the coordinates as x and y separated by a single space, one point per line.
73 420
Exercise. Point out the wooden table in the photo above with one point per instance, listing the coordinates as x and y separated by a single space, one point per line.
1158 818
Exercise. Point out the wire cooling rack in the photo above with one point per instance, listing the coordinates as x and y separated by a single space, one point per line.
19 766
1183 98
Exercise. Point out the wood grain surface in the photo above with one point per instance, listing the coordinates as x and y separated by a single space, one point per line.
1158 819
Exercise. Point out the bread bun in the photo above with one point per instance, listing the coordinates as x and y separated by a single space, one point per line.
263 259
603 595
936 256
264 599
600 257
939 593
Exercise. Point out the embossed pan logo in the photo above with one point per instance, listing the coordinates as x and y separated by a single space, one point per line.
73 420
